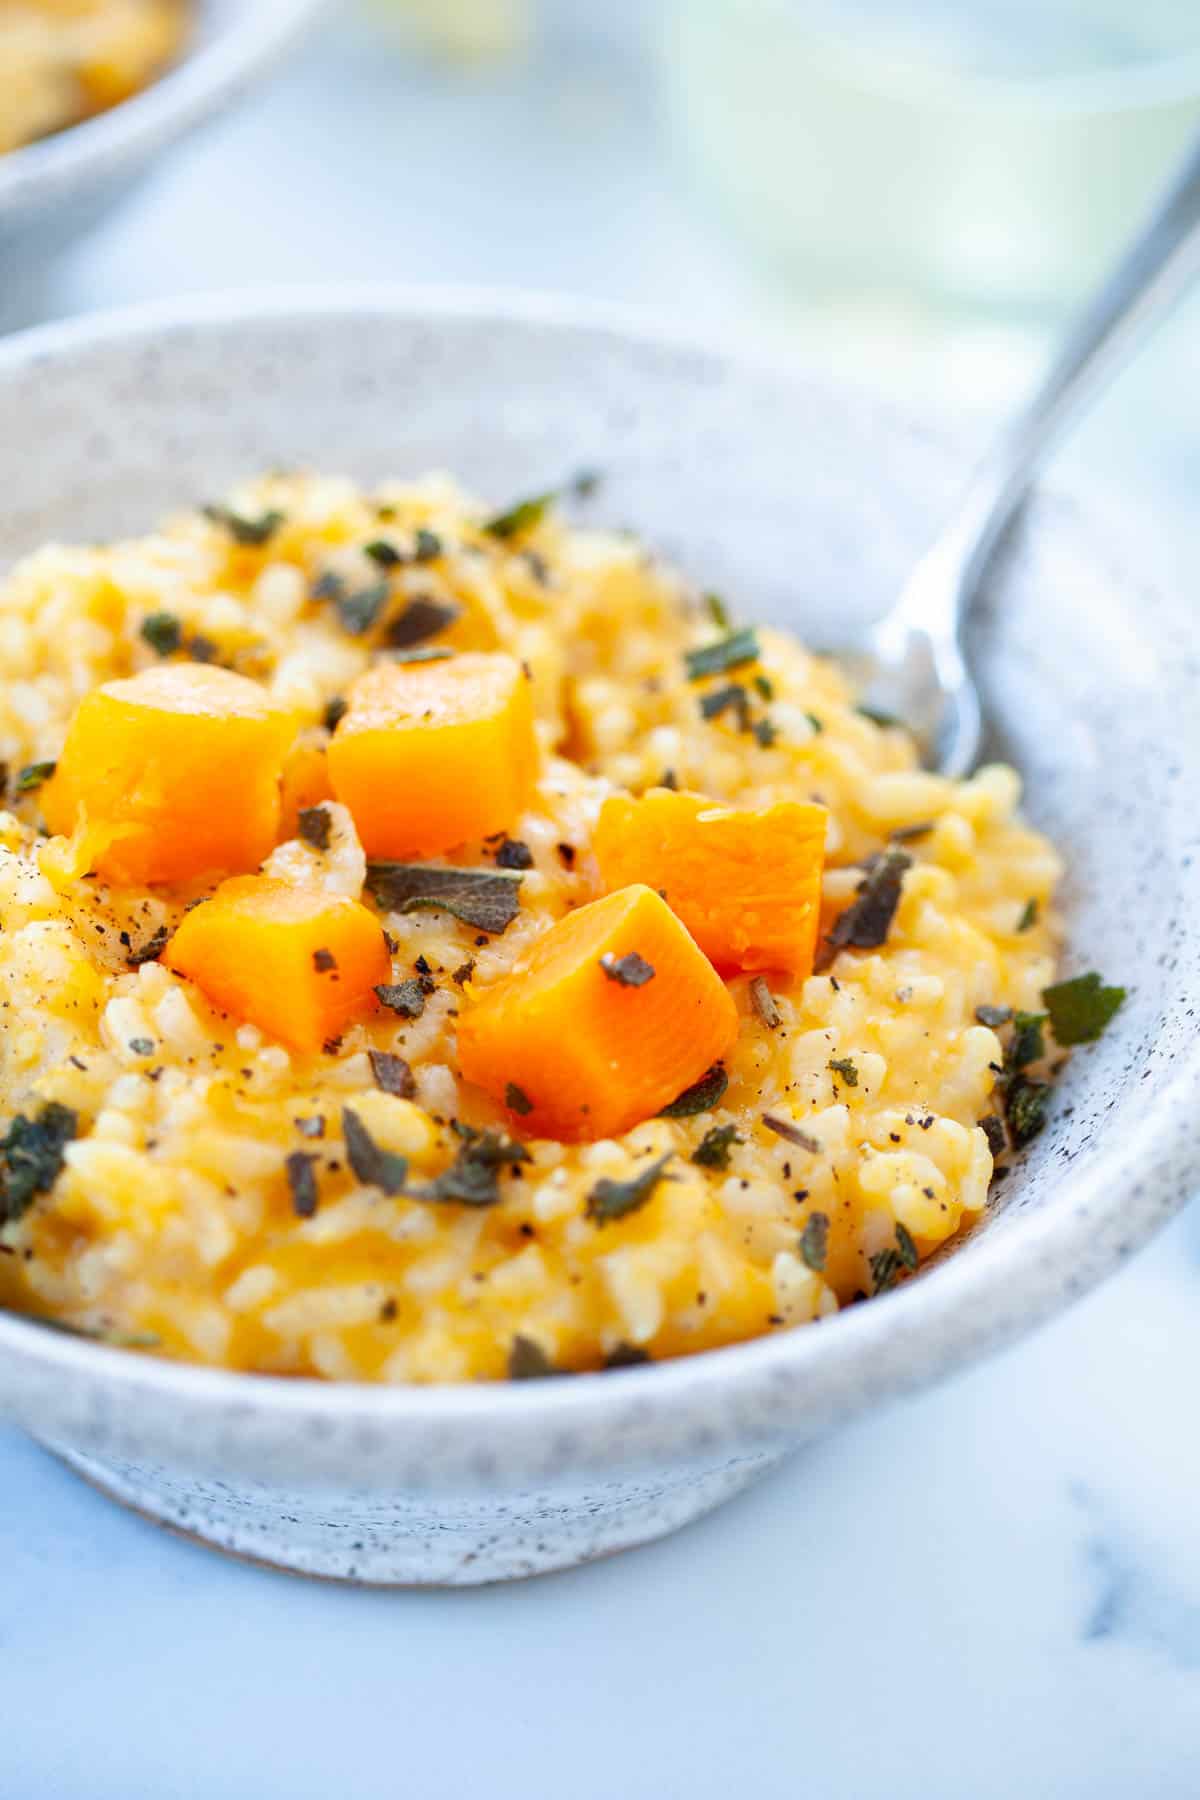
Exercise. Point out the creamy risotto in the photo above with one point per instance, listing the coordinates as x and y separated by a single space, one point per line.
441 945
63 60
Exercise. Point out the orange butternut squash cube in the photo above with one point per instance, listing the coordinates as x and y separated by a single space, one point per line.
431 754
299 963
607 1019
177 768
746 884
304 782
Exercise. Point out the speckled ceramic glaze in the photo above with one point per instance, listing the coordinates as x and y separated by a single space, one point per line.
807 503
57 188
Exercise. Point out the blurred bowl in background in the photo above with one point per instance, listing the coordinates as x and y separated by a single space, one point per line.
986 152
54 190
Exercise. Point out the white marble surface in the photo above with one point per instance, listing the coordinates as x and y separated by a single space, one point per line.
991 1591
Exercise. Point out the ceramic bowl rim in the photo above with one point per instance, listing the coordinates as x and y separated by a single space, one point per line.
899 1341
203 79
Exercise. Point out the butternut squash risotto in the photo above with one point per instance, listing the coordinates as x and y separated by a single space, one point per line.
438 945
61 61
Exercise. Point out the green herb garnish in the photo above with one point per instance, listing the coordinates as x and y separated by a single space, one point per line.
1028 1044
718 612
791 1133
163 632
335 711
522 517
427 545
517 1100
511 853
251 532
302 1183
31 1157
885 720
392 1074
1080 1009
765 733
422 618
404 997
885 1267
701 1097
627 1356
610 1199
994 1016
314 823
733 698
485 898
906 1246
527 1361
375 1167
712 1152
33 775
149 951
867 920
729 652
1029 915
992 1126
473 1178
1025 1108
630 970
142 1046
843 1066
357 612
814 1241
385 555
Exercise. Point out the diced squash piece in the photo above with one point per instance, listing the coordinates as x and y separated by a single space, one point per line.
178 767
746 884
432 754
578 1042
299 963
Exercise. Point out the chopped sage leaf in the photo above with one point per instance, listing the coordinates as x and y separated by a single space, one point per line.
335 711
733 698
31 1157
885 1267
718 612
404 997
911 834
392 1074
357 612
302 1183
906 1246
427 545
33 775
701 1097
473 1178
843 1066
484 898
712 1152
611 1199
313 823
422 653
814 1241
729 652
631 970
867 920
763 1002
1028 1044
522 517
994 1016
422 618
885 720
163 632
517 1100
792 1133
765 686
992 1126
765 733
1029 915
627 1356
384 554
527 1361
375 1167
817 724
250 532
142 1046
1025 1108
1080 1009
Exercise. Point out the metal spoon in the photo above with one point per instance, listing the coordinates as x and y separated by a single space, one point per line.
912 665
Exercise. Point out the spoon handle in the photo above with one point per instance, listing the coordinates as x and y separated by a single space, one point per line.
1149 277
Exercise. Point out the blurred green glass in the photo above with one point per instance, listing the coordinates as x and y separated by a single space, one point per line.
991 153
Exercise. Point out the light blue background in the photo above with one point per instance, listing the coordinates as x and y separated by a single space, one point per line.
991 1591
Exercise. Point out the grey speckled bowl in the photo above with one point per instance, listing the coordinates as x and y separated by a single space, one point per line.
806 502
59 187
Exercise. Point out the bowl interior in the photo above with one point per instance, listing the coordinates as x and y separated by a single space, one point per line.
805 504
